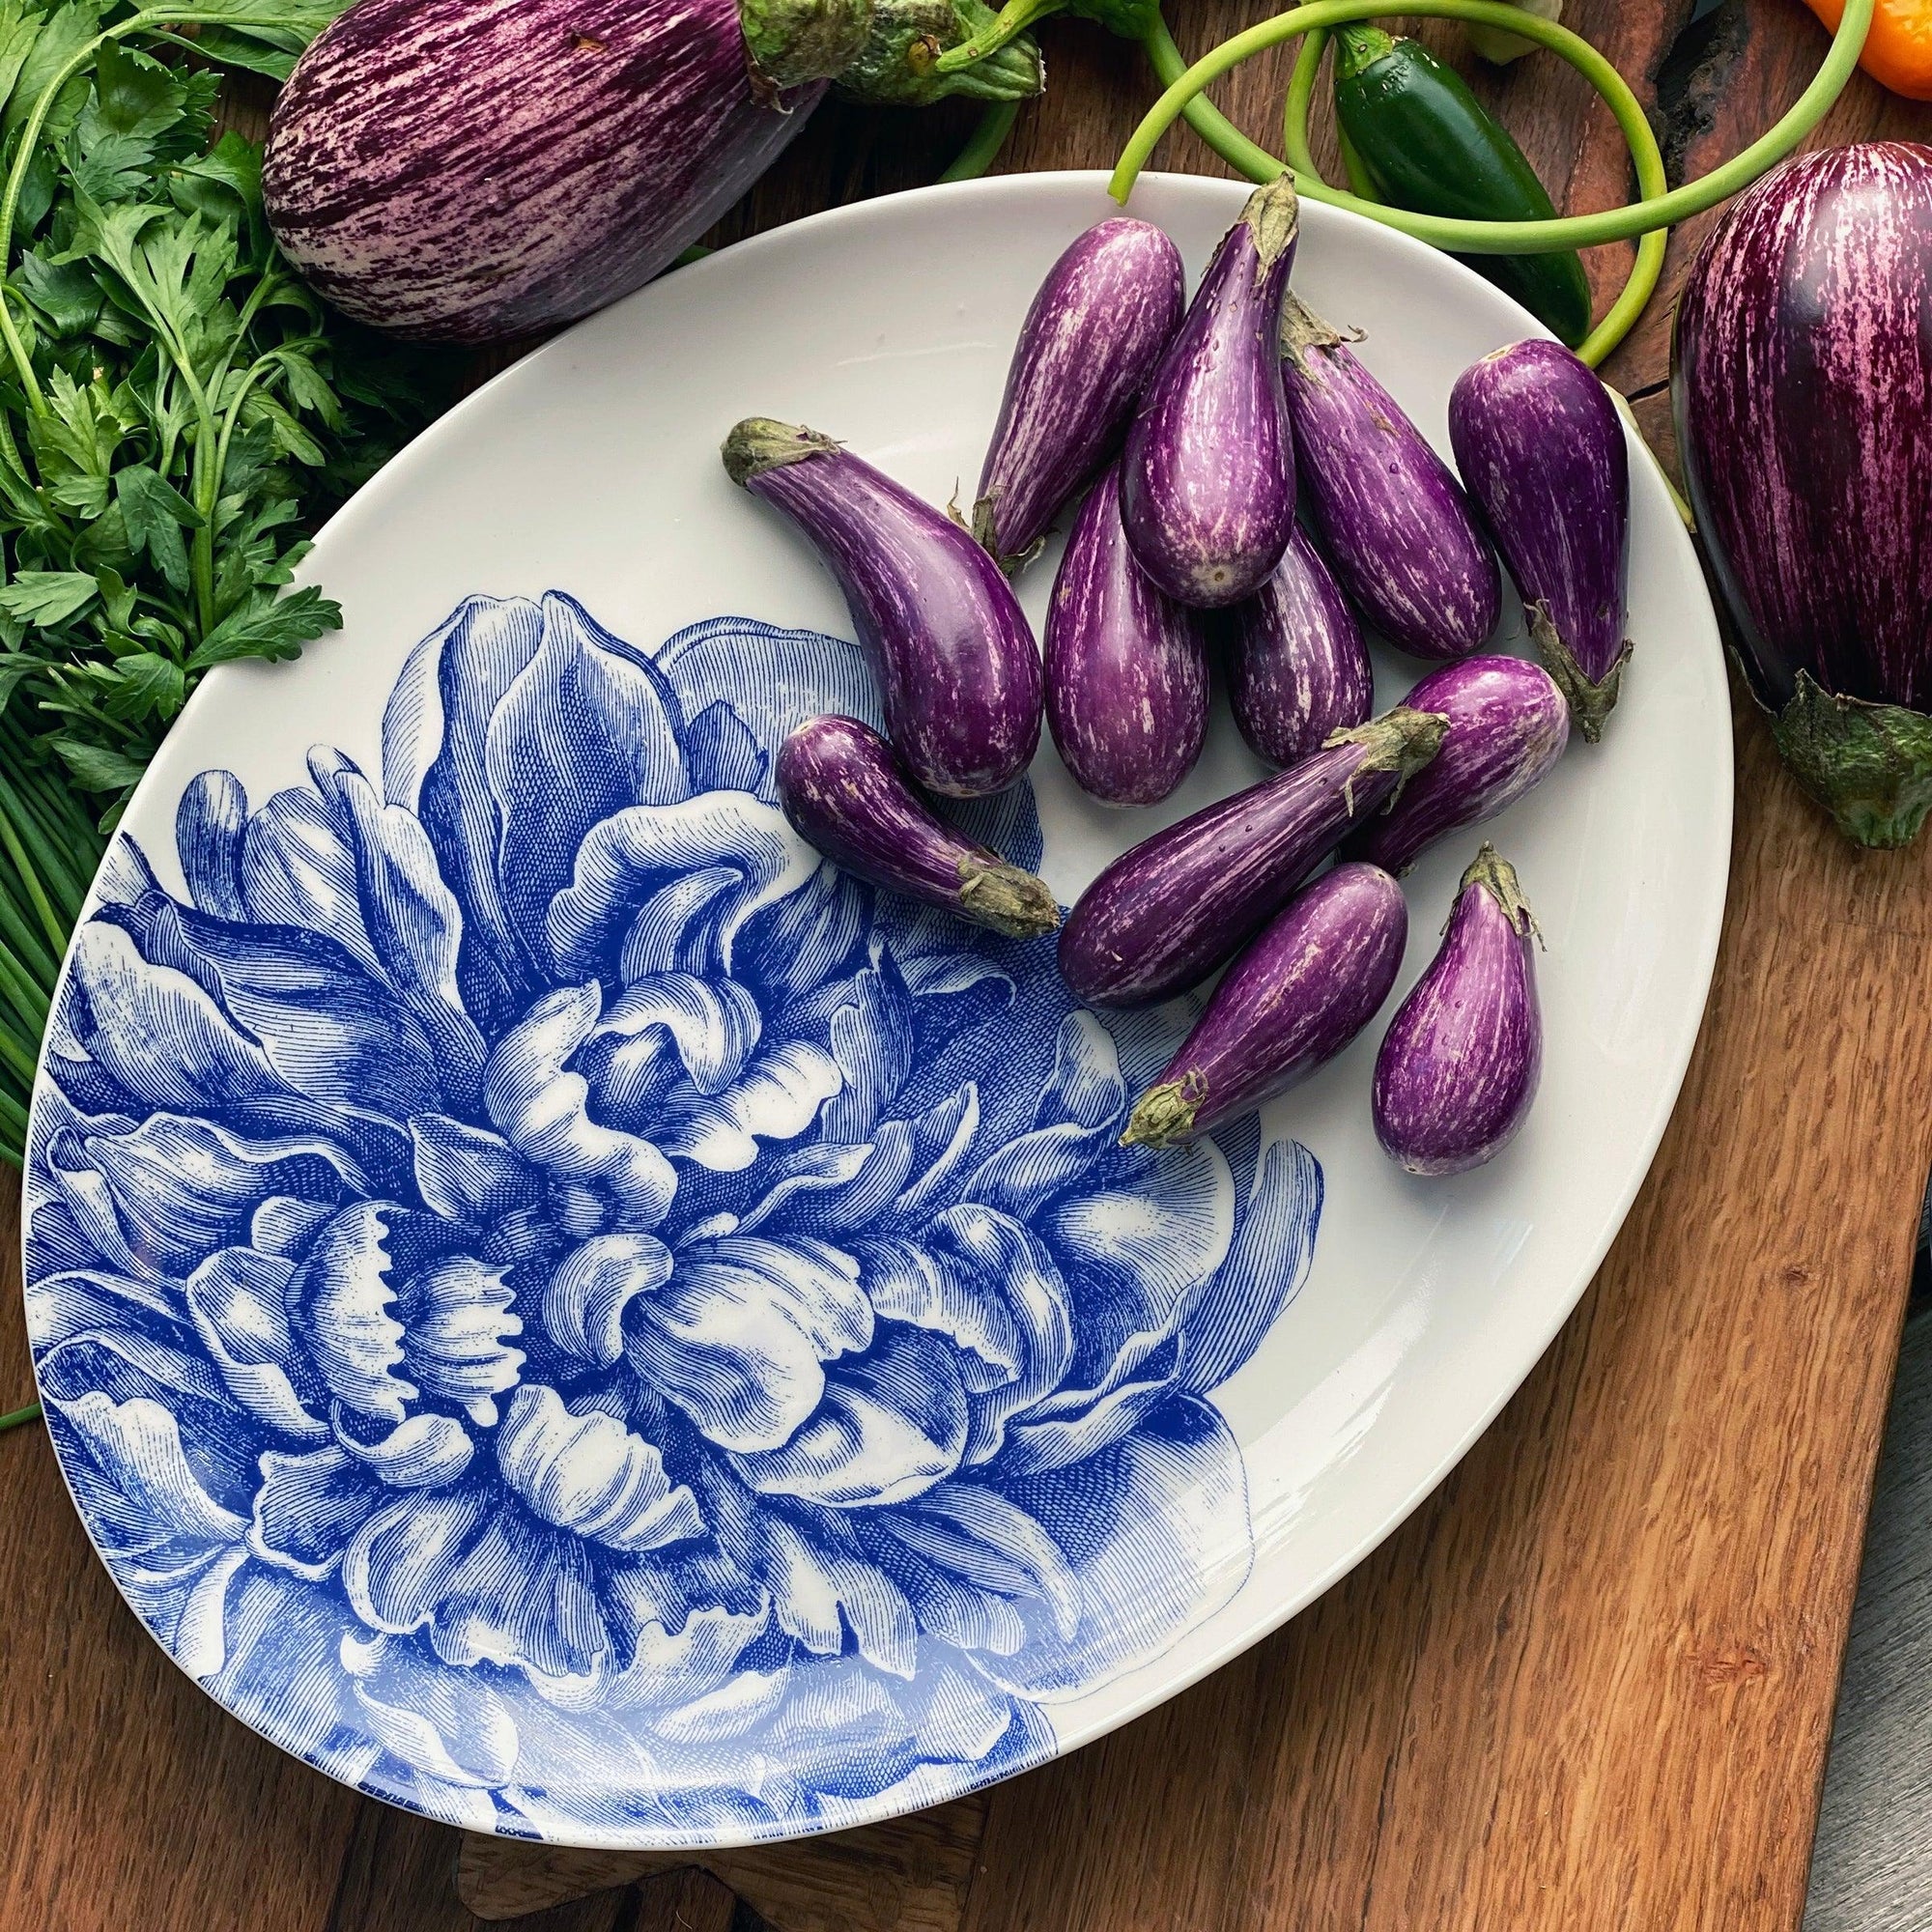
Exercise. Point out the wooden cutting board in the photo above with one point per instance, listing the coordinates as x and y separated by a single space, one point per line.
1588 1685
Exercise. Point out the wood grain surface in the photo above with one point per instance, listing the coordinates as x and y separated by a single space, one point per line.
1588 1685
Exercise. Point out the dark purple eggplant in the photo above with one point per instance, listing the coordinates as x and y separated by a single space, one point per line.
1508 724
1316 976
1460 1062
1395 523
1095 332
1207 481
1297 668
1541 448
466 170
1127 669
957 670
1802 384
1165 915
848 797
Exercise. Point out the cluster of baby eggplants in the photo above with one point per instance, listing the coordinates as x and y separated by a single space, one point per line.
1192 427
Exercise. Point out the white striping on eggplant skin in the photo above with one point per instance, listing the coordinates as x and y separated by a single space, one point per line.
1297 668
466 170
1459 1066
1316 976
1509 722
1542 450
848 798
1803 392
1208 479
959 675
1093 336
1393 519
1127 669
1166 914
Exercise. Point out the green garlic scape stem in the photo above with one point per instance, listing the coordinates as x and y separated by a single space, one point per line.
1656 211
1012 21
982 147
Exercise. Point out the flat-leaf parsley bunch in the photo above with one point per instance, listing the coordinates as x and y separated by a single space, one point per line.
176 411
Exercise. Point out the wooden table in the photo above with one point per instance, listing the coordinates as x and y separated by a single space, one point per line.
1588 1685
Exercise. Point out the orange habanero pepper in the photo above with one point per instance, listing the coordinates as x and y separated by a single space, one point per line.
1898 51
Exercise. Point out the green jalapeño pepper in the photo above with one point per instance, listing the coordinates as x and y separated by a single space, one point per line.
1427 144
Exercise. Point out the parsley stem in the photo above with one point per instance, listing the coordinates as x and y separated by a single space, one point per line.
14 1418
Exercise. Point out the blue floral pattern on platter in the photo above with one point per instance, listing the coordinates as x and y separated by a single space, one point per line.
572 1315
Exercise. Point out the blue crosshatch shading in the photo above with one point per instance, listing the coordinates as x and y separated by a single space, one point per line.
573 1315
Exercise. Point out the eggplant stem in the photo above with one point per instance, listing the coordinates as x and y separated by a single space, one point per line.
1590 702
1007 898
1166 1114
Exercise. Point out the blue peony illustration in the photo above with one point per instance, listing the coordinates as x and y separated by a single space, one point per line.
575 1316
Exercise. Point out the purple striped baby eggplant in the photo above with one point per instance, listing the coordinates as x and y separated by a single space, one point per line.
958 673
1165 915
1541 448
1297 668
1803 386
1508 724
848 797
1313 980
1459 1064
1208 482
1394 520
466 170
1127 669
1095 332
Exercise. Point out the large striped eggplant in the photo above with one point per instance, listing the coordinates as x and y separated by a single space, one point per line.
1802 384
466 170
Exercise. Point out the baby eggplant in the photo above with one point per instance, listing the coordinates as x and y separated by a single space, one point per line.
1297 668
1163 916
956 665
1395 522
1508 724
847 796
1127 669
1317 975
1095 332
1542 450
1459 1064
1207 483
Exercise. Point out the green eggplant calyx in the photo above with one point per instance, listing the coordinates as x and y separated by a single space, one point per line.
1401 741
912 57
1273 217
1167 1113
1007 898
1303 331
1589 703
792 42
985 34
1494 874
1868 765
760 444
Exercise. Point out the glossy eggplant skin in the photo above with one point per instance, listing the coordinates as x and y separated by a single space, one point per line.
1392 518
1803 386
1166 914
1297 668
1459 1066
466 170
959 676
1208 480
1094 334
1542 450
1316 976
848 797
1508 724
1127 669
